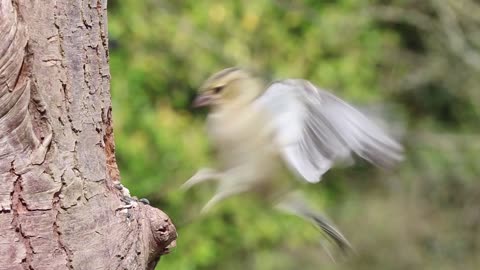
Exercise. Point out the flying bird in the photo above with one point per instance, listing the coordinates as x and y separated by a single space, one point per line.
265 135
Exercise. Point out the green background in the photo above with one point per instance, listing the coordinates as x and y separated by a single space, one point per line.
422 57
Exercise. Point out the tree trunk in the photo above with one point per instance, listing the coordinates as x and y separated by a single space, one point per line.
60 203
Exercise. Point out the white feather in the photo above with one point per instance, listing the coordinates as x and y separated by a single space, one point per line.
316 129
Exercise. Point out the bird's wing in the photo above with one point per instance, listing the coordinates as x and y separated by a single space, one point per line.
316 129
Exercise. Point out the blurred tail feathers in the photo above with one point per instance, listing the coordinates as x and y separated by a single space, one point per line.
295 204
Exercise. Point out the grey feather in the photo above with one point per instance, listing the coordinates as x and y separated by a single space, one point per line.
316 129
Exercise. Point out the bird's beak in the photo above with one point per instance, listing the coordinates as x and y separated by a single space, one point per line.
202 100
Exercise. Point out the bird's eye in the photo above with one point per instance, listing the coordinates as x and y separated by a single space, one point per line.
217 89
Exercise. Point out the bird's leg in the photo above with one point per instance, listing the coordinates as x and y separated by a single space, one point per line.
222 195
200 176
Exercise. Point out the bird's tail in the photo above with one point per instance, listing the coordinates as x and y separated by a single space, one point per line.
330 230
295 204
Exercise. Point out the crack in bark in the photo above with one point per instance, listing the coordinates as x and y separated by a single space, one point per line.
64 89
56 227
18 205
108 139
103 35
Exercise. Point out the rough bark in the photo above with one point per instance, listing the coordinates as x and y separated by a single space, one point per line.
60 207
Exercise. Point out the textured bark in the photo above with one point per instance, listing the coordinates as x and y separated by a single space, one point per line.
60 207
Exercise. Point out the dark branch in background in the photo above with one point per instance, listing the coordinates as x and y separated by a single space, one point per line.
445 60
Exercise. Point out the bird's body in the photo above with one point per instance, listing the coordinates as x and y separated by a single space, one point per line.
264 136
231 130
239 133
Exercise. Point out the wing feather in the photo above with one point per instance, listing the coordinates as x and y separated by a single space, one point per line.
315 129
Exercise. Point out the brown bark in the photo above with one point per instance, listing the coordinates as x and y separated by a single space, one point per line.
59 208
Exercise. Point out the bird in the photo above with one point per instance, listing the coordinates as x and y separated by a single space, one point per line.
268 136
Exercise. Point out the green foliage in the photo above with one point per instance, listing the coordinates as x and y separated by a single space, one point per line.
422 216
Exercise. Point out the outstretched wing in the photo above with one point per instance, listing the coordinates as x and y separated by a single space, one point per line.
316 129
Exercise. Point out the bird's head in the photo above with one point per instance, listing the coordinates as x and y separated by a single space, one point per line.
228 86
